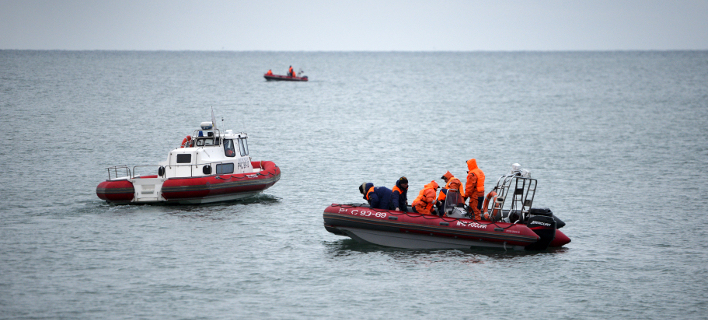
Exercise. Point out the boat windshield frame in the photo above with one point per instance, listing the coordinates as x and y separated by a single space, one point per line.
200 140
515 195
453 200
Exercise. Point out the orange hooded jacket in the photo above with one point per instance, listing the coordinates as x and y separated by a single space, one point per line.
452 184
423 203
475 179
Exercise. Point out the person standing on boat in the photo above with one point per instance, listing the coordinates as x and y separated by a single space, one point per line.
425 200
474 188
378 197
399 197
291 73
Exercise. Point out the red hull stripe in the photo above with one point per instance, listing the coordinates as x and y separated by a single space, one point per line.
207 184
196 187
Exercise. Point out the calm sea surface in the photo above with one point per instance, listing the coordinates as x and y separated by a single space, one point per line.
617 140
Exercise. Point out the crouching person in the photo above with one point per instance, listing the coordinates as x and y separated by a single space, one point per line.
425 200
377 197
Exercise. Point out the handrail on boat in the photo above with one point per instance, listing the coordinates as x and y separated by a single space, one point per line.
115 171
515 194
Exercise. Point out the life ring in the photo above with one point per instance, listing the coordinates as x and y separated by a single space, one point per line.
186 142
489 196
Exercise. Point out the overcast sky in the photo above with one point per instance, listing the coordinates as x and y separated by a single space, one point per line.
363 25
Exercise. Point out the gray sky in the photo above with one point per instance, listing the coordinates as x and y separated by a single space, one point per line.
362 25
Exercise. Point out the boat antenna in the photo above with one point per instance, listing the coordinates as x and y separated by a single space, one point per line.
243 125
213 121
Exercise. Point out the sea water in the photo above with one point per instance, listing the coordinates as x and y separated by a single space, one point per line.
617 140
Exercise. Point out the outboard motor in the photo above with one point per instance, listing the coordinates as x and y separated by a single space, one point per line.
547 212
541 221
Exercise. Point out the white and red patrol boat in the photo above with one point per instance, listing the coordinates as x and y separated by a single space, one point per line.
511 223
209 166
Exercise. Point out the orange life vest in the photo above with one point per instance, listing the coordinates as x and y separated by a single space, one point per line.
396 188
478 174
368 192
452 184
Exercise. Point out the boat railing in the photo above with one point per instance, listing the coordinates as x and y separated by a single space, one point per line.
514 195
119 172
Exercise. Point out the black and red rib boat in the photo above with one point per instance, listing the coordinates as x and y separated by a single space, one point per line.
511 222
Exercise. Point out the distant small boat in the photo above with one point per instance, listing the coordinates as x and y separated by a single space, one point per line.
277 77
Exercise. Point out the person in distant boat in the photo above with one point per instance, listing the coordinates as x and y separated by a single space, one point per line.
269 73
451 183
474 188
291 73
378 197
399 196
425 200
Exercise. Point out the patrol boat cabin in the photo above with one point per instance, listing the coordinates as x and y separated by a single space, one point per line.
208 151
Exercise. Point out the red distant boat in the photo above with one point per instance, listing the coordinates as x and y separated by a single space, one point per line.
277 77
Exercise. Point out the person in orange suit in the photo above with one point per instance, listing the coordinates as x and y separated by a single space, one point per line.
291 73
270 73
451 183
426 199
474 188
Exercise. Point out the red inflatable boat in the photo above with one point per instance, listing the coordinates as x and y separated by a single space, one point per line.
419 231
276 77
511 222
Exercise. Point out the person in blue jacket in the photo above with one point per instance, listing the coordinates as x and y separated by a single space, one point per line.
378 197
399 197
